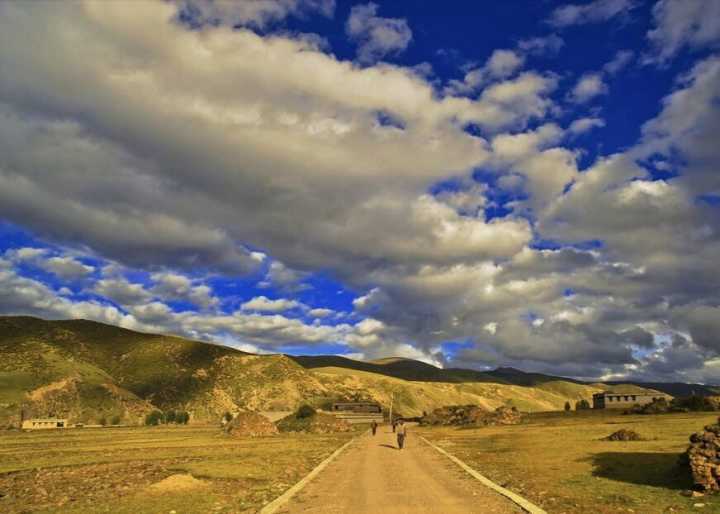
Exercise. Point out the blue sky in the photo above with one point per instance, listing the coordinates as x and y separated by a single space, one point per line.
472 184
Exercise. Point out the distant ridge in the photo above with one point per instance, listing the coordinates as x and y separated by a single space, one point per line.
88 370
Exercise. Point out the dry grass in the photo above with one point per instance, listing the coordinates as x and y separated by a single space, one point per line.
114 469
560 462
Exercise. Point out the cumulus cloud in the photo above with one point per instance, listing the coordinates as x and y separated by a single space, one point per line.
265 304
25 254
500 65
181 157
546 45
328 118
174 286
588 87
255 13
122 291
621 59
594 12
582 125
320 312
681 23
66 267
376 36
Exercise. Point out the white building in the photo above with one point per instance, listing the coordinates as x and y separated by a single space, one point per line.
44 423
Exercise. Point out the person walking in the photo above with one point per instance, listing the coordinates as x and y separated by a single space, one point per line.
393 425
373 426
401 434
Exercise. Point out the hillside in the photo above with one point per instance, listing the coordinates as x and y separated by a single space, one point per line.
88 370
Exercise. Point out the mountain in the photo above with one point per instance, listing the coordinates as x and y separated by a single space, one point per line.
87 370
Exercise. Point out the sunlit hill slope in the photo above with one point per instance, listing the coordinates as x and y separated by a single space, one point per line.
88 371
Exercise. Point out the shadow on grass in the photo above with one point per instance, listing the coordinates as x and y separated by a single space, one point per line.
653 469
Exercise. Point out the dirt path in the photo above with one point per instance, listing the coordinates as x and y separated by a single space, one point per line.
373 476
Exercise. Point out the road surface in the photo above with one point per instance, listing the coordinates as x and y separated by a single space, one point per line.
373 476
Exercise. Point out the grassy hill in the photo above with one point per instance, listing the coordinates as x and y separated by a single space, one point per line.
88 371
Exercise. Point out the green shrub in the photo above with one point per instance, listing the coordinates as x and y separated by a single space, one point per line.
115 420
694 403
582 405
170 416
102 421
154 418
182 418
228 417
305 411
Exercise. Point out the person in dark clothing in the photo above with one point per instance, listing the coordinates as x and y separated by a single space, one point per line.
393 425
401 434
373 426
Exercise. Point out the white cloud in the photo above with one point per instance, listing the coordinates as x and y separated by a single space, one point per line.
546 45
174 286
588 87
265 304
66 267
582 125
594 12
621 59
25 254
680 23
159 164
121 291
376 36
500 65
256 13
320 312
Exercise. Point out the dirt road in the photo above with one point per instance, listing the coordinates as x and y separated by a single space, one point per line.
373 476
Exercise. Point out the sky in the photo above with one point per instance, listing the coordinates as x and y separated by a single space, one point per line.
533 184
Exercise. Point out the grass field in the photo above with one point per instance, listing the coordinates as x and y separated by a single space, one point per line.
114 469
558 461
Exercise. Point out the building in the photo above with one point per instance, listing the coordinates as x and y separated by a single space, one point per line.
44 423
357 412
616 400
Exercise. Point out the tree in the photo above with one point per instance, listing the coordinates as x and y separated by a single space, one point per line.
170 416
154 418
305 411
568 408
582 405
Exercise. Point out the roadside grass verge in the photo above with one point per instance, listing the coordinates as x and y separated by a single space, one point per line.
559 462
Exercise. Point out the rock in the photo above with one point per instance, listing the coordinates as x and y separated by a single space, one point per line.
250 424
459 415
703 458
623 435
318 423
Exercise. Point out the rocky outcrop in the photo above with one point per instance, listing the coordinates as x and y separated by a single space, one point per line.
703 457
460 415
